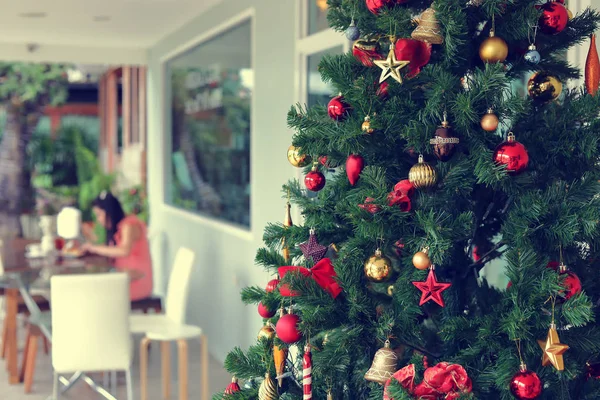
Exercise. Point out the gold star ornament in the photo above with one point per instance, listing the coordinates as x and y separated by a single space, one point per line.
553 349
391 66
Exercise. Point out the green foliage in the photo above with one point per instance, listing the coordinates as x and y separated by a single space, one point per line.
550 212
134 201
29 86
52 159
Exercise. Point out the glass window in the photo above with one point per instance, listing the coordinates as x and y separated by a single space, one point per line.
317 16
319 92
210 91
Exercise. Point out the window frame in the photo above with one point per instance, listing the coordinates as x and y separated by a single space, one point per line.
306 46
244 232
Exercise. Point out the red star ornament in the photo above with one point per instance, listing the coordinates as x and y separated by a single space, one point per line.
431 289
312 248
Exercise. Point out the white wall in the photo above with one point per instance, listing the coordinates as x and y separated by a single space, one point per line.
225 255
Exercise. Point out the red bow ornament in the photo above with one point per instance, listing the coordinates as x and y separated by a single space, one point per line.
322 272
415 51
406 377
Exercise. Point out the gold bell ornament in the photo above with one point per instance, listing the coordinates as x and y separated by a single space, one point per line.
267 389
428 29
493 49
422 175
297 158
366 125
378 268
383 366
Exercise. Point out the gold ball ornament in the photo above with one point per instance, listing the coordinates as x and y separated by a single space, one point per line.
266 332
489 122
493 49
267 389
378 267
296 158
421 259
422 175
570 13
544 87
366 125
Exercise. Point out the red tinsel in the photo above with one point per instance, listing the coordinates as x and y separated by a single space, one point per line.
443 381
369 206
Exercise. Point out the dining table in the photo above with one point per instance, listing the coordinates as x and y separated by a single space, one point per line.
22 274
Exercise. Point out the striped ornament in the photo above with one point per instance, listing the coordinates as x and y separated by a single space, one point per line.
307 373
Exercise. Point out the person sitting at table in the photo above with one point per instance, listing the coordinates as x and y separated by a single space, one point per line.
126 243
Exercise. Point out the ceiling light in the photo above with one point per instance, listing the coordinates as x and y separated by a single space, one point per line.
101 18
34 14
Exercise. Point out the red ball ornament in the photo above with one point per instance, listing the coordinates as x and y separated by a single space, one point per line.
337 108
476 255
264 311
354 166
383 90
525 385
512 154
554 18
323 161
593 370
376 5
572 284
287 328
314 180
272 285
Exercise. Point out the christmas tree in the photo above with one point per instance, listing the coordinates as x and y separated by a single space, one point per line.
430 164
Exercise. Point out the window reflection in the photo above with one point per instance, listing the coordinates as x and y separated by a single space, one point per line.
317 16
319 92
210 97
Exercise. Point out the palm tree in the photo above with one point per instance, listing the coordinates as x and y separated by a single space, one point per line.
25 89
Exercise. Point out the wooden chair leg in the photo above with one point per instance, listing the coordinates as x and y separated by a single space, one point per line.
144 368
205 393
31 359
4 335
165 349
183 369
12 362
25 358
46 345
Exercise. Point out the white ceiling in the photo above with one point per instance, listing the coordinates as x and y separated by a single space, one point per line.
124 23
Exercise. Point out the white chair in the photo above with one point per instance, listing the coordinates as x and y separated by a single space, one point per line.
171 327
90 327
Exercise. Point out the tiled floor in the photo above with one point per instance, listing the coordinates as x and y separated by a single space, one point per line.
42 388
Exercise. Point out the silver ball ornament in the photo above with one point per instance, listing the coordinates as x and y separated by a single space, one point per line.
533 56
353 33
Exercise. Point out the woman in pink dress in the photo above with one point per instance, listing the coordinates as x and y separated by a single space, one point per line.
126 243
